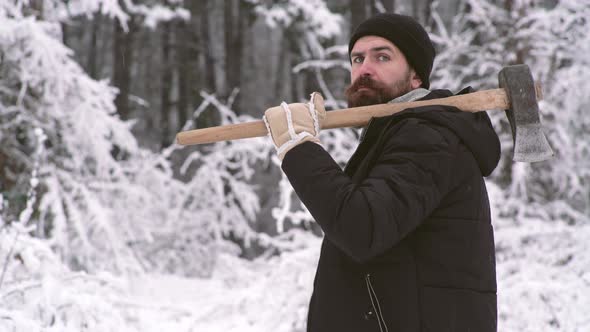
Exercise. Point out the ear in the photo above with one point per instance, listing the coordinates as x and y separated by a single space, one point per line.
415 80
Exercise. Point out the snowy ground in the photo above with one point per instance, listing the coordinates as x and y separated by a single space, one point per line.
543 277
269 296
543 285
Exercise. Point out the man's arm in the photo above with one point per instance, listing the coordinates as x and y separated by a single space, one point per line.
405 185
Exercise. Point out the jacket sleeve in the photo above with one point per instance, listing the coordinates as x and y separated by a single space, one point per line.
411 176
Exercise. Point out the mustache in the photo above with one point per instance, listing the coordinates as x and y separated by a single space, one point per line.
365 82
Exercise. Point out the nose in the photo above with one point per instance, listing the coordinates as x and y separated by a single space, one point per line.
366 68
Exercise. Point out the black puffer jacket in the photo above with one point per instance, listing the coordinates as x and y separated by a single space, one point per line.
408 240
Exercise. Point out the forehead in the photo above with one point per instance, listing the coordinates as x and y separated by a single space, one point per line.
367 43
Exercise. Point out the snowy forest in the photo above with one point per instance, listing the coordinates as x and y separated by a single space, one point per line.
106 224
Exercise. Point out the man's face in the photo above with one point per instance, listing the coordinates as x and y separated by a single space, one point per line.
379 73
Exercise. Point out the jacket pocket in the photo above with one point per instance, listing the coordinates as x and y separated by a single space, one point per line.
458 310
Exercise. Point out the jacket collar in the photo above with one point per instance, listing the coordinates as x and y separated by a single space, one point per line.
411 96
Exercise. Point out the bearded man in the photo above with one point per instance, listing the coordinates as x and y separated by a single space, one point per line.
408 240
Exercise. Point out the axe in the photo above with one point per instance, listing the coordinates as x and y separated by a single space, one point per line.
517 94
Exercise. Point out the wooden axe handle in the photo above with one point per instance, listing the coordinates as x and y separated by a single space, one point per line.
494 99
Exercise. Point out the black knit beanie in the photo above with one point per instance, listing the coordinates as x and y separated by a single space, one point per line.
405 33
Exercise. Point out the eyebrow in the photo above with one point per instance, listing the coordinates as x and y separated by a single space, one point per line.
374 49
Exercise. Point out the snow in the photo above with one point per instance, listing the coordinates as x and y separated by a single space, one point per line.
312 15
540 291
543 284
262 295
131 248
157 14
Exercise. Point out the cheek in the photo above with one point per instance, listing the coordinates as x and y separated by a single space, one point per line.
353 75
392 77
389 81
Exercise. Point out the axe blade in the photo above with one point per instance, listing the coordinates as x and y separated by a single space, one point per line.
530 143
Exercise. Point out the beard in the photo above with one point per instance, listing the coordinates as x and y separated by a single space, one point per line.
375 92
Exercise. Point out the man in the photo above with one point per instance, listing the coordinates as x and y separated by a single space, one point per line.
408 240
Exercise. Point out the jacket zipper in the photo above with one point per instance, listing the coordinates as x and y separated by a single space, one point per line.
375 304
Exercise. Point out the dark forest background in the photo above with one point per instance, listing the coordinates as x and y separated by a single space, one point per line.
224 48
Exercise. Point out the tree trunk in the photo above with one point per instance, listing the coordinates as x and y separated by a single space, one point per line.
387 5
217 47
92 47
233 41
122 62
64 34
418 9
166 85
183 67
204 78
421 10
447 11
149 80
359 11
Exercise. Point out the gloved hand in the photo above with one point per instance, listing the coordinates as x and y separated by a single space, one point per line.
289 125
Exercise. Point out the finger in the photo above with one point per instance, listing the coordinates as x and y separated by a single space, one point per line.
277 123
318 103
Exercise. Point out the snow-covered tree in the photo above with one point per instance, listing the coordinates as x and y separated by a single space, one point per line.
79 194
551 40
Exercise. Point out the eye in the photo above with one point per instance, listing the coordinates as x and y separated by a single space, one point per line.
383 57
358 59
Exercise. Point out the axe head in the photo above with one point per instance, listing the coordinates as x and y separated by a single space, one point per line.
530 143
